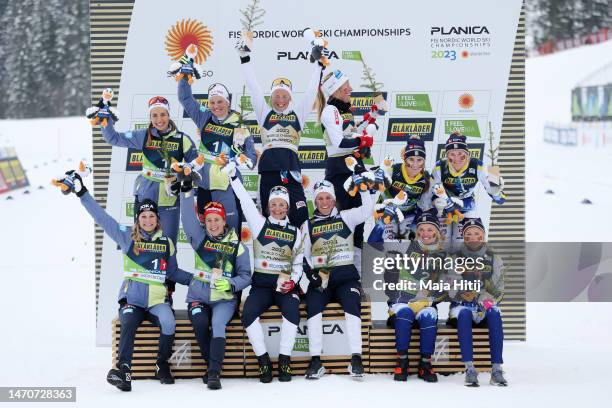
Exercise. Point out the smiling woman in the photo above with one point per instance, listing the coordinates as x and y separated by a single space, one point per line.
281 123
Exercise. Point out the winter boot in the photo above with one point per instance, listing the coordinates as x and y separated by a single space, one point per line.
121 377
315 369
284 368
163 373
401 367
265 368
356 367
214 380
497 378
471 377
426 372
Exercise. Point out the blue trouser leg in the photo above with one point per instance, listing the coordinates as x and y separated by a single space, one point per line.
222 313
496 335
259 300
464 332
130 317
428 321
200 316
403 328
161 315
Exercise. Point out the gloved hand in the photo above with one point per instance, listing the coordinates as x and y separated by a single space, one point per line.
230 169
499 199
314 278
359 181
223 285
390 213
242 48
287 286
487 304
71 183
187 185
79 188
365 141
175 188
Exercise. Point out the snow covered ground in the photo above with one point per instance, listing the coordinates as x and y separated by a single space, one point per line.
48 302
572 173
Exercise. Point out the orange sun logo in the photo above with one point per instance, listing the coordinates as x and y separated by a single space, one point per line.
305 181
187 32
245 234
466 101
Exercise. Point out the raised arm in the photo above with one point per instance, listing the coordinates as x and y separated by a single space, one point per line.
258 101
194 231
255 220
359 215
191 106
305 106
249 149
190 152
134 138
118 233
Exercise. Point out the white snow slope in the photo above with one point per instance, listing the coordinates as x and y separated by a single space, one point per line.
572 173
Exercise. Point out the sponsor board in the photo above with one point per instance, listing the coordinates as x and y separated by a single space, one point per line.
334 338
467 127
361 102
462 102
312 157
419 102
400 129
134 160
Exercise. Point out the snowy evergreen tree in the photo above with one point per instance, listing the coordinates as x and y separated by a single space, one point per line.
560 19
44 61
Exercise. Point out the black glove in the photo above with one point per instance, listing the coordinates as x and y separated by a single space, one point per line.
314 278
77 183
175 188
187 185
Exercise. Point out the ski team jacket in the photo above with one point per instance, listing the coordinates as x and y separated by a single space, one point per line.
145 273
462 184
490 275
280 131
337 228
338 132
238 268
277 245
216 137
427 271
419 192
177 147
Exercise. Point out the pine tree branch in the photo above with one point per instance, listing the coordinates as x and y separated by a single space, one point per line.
252 16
